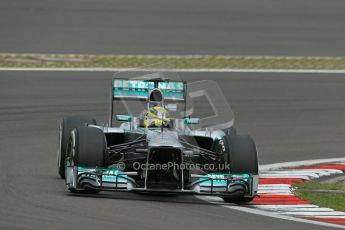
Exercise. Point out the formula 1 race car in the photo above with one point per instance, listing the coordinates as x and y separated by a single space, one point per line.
155 144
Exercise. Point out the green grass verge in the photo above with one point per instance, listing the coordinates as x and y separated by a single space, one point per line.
189 61
308 191
334 201
323 186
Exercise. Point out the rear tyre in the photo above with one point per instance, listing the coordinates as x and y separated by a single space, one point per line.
66 126
242 158
87 149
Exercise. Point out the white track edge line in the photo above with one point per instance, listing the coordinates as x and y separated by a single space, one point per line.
90 69
300 163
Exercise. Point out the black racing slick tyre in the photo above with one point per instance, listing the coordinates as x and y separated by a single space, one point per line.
89 147
86 148
66 126
242 158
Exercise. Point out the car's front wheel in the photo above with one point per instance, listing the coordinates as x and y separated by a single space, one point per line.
242 159
66 126
86 148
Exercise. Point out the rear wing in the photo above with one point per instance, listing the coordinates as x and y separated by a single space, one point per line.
140 89
128 96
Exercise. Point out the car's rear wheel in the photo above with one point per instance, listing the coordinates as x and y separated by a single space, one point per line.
66 126
242 158
87 148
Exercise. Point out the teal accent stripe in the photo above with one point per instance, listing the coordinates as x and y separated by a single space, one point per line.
143 93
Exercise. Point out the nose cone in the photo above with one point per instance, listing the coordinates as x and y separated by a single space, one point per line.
167 138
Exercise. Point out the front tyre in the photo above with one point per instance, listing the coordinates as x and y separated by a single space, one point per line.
66 126
86 148
89 147
243 156
242 159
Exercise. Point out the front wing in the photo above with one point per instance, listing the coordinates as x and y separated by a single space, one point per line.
80 178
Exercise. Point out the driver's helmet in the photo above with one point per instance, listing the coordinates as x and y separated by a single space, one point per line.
156 116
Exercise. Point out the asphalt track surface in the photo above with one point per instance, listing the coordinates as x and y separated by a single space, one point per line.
291 116
231 27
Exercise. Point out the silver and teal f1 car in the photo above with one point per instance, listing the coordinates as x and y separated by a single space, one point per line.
192 148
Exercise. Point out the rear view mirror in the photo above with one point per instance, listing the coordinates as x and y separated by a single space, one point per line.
191 121
124 118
